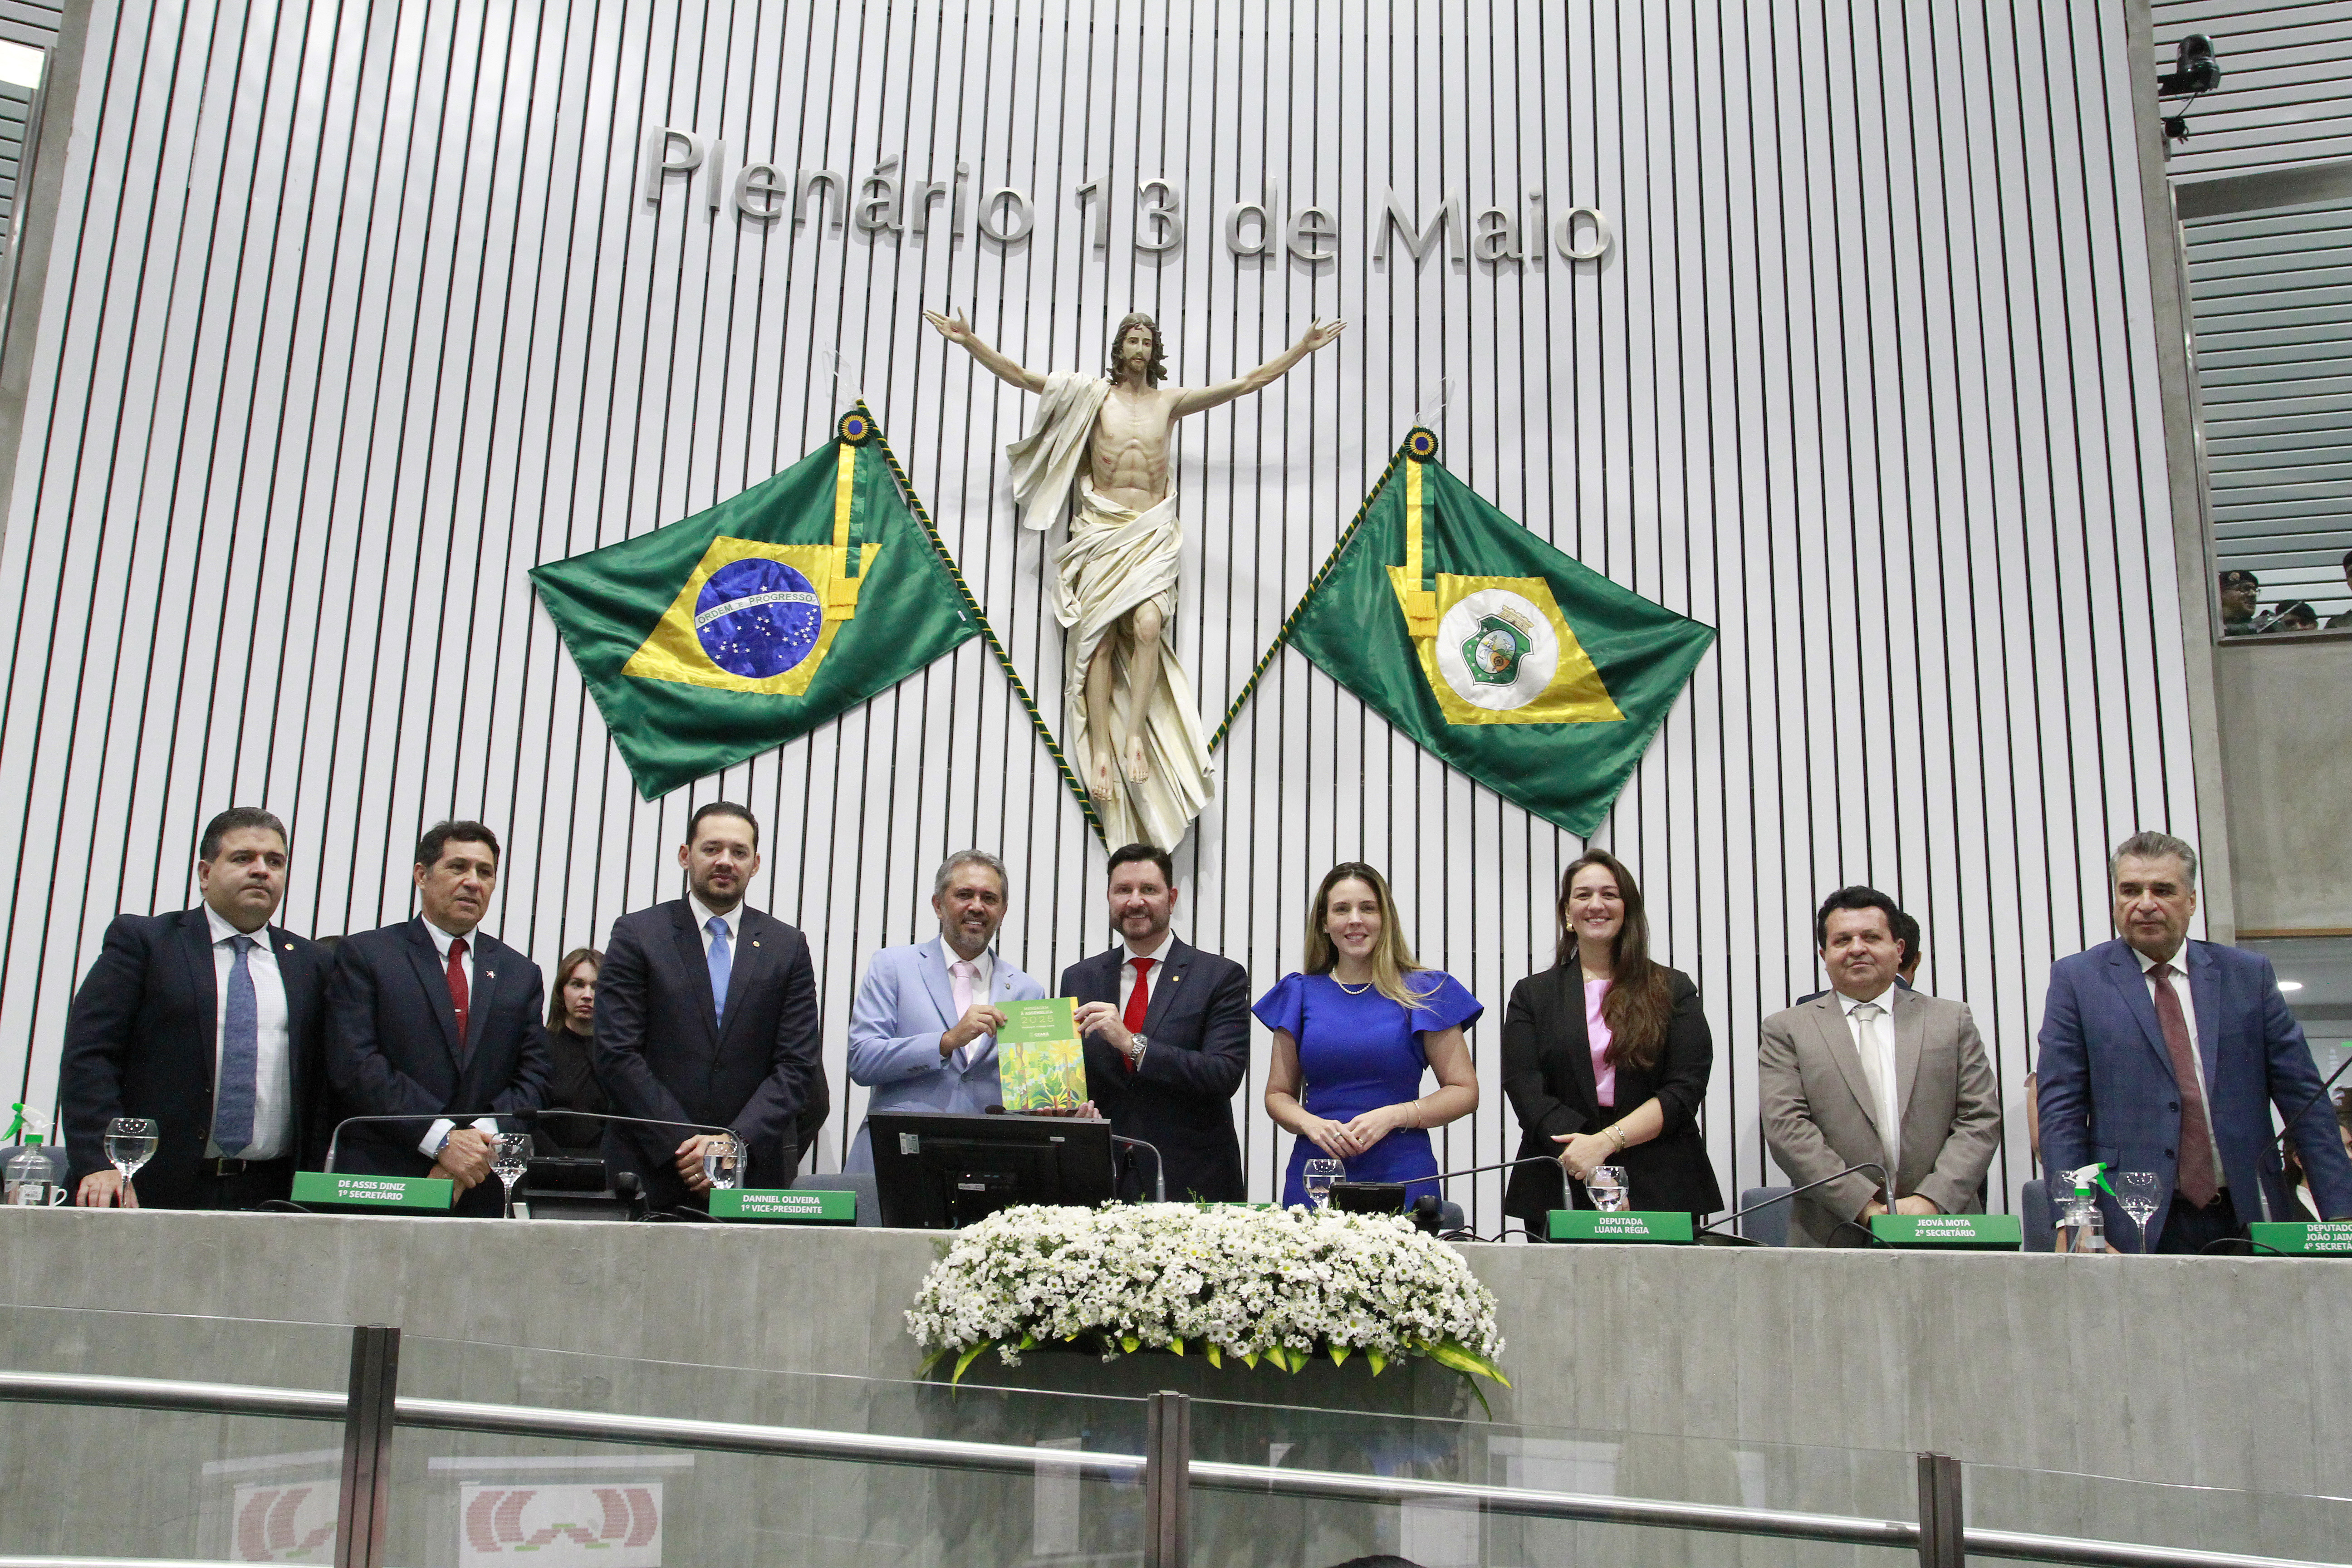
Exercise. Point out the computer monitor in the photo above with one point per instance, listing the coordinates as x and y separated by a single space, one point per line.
936 1170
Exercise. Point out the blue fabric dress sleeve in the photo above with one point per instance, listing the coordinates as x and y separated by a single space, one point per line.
1449 1004
1284 1007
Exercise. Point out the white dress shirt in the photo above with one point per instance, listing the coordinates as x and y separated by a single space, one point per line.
733 920
273 1063
2178 981
1874 1043
1158 956
430 1144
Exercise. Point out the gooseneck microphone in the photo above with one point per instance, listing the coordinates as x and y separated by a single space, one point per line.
1884 1184
523 1119
2262 1192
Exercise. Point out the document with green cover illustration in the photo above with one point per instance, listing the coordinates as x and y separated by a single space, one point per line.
1038 1058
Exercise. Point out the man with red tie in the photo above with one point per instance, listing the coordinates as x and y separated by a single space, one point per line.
434 1021
2165 1055
1167 1033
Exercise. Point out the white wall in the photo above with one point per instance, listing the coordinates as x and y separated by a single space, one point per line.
357 312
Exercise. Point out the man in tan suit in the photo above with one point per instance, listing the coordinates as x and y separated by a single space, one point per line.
1867 1071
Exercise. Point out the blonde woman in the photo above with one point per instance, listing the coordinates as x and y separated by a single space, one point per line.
1353 1036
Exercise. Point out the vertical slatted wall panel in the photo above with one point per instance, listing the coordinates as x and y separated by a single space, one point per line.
357 314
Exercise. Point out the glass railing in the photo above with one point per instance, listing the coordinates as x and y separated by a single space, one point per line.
145 1439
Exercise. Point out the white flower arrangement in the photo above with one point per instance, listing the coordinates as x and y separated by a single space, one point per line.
1281 1285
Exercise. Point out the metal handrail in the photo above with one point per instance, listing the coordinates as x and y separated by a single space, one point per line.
941 1453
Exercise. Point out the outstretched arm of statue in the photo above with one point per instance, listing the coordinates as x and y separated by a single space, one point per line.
1197 398
958 331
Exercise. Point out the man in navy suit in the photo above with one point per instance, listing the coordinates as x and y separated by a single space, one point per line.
1167 1033
2165 1055
432 1019
205 1021
922 1032
706 1017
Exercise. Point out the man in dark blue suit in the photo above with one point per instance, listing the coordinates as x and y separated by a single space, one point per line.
433 1019
707 1016
2165 1055
205 1021
1167 1033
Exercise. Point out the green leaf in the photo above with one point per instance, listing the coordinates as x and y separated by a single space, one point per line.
1216 1356
968 1357
1469 1363
1129 1343
933 1359
1380 1363
1028 1342
1339 1354
1249 1359
1177 1346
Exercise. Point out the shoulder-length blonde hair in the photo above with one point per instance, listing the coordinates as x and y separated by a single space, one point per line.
571 960
1393 965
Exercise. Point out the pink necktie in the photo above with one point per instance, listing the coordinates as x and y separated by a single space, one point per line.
961 975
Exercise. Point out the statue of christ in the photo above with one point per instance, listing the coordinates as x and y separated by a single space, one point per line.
1133 730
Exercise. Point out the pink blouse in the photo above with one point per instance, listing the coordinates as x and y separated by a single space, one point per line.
1596 1030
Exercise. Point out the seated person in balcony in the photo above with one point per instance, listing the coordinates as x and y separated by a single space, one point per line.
2343 620
2241 593
1869 1071
571 1057
2294 615
922 1032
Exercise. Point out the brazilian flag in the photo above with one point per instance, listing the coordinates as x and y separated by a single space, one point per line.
742 627
1512 662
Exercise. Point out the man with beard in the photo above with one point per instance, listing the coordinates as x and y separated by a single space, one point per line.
1131 725
1167 1033
923 1033
707 1016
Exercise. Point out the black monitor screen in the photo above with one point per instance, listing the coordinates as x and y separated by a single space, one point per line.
934 1171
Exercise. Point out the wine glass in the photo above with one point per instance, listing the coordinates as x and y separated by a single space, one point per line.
722 1162
1607 1185
509 1156
1316 1176
130 1143
2135 1194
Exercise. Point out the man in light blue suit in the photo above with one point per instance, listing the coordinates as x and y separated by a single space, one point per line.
923 1033
2165 1055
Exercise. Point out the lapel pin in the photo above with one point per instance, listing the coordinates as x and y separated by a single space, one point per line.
492 973
290 947
755 942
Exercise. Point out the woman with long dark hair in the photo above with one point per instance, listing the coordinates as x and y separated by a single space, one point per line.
571 1044
1605 1060
1353 1036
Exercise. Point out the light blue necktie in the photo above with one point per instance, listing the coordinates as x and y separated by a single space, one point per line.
722 963
240 1060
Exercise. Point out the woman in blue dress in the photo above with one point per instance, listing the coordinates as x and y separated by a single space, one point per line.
1354 1033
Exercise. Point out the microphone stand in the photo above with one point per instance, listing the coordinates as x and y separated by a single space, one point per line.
1790 1196
1159 1166
334 1140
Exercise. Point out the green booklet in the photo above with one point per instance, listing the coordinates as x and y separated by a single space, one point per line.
1038 1058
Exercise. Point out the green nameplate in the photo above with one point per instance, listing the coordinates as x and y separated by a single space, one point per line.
782 1205
1980 1232
346 1189
1638 1224
2302 1239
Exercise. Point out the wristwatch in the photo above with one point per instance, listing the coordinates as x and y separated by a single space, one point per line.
1135 1057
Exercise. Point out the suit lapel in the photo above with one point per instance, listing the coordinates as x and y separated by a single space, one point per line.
1910 1039
489 955
935 981
2205 996
1836 1034
1579 1039
698 963
1177 960
426 959
196 949
2124 970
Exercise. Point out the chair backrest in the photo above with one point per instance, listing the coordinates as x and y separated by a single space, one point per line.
869 1196
1768 1224
2037 1217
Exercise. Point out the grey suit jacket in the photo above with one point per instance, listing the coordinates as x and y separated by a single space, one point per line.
904 1004
1818 1117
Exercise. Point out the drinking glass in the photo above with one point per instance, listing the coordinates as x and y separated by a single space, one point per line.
722 1162
1607 1185
130 1143
1316 1176
509 1156
2135 1194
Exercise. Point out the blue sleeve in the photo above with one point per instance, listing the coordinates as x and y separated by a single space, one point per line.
1448 1005
1285 1006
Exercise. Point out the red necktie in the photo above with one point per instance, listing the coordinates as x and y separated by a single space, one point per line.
2196 1180
1139 1004
457 988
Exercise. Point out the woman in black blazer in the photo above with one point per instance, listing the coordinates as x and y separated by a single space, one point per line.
1635 1101
571 1046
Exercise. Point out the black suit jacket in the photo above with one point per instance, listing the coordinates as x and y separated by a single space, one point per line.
393 1047
1547 1075
662 1053
1181 1099
141 1040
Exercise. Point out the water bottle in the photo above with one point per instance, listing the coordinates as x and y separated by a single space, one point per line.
2080 1226
27 1178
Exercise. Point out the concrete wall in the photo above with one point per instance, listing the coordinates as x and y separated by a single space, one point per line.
1777 1378
2285 713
